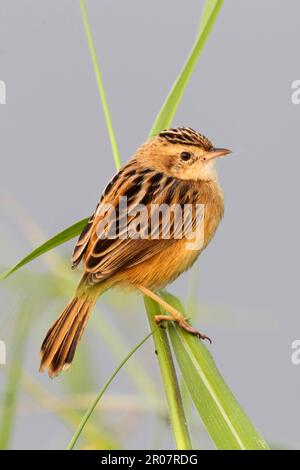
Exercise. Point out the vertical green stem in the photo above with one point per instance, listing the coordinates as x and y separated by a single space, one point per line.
169 378
98 76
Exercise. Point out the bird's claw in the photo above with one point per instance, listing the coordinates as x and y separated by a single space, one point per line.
185 326
182 323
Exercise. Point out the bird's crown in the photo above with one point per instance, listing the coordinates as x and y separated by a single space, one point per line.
187 136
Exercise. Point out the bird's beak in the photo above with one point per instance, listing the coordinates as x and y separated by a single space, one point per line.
217 153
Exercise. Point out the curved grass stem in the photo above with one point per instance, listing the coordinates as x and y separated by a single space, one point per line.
103 390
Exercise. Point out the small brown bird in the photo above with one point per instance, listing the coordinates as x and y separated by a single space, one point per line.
177 167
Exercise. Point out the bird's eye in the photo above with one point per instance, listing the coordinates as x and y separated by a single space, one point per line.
185 156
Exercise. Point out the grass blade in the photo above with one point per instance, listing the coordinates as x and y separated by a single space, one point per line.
223 417
169 378
209 6
14 374
98 76
103 390
168 110
55 241
135 370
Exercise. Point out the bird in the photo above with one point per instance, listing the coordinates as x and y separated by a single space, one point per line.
175 167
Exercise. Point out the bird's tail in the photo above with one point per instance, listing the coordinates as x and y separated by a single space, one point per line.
59 345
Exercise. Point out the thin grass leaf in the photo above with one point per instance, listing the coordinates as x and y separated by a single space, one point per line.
168 110
98 76
14 373
55 241
137 373
103 390
207 11
225 421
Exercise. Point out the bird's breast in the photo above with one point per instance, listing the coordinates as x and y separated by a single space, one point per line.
209 197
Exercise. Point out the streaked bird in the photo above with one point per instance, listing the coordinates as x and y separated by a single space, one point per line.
177 167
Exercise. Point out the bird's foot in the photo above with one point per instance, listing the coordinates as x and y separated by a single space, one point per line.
182 323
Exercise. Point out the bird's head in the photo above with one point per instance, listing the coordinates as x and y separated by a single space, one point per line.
182 153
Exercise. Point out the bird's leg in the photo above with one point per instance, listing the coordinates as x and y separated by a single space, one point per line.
175 315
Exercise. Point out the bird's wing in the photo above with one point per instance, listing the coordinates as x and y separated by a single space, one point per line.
86 234
104 256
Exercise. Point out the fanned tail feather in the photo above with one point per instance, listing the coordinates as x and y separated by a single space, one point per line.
59 345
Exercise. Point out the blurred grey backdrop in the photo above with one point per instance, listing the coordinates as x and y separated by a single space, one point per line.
56 159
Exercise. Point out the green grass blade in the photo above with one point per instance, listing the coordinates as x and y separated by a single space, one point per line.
135 370
98 76
103 390
55 241
223 417
169 379
209 6
14 374
168 110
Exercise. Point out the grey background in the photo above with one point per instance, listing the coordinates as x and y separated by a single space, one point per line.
56 158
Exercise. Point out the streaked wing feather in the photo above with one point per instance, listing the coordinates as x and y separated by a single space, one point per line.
104 256
108 193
